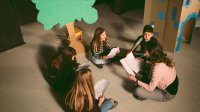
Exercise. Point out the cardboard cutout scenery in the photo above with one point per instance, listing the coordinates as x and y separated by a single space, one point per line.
52 12
65 12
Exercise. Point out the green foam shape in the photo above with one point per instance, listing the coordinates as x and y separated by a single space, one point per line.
52 12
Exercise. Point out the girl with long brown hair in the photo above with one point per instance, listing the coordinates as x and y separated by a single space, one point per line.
99 47
62 69
163 81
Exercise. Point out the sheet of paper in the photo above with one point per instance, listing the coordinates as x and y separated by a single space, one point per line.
100 87
131 64
113 52
130 56
134 63
84 65
127 67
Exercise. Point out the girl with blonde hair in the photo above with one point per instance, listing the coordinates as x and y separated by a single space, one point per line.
81 97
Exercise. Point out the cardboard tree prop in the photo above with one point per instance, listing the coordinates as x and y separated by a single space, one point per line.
65 12
173 20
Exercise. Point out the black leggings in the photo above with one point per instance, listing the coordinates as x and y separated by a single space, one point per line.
173 87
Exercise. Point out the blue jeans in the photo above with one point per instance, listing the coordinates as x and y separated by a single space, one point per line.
107 105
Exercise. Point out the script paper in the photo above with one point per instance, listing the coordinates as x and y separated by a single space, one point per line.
113 52
131 64
100 87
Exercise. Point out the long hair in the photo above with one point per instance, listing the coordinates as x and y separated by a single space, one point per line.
64 57
97 39
68 53
157 54
82 88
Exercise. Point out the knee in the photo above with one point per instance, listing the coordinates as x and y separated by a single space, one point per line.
138 94
137 91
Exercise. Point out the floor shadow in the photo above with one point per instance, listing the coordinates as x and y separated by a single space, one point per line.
59 30
86 47
134 24
44 58
119 30
127 84
86 44
60 98
131 23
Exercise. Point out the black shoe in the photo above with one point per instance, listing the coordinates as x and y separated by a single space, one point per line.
115 103
139 98
99 66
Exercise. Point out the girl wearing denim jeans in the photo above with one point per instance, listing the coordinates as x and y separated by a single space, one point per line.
81 97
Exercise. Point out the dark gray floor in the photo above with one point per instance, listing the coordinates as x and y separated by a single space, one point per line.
24 86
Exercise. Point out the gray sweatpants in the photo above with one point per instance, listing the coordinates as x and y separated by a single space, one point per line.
157 94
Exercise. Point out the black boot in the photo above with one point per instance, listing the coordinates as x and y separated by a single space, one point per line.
99 66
